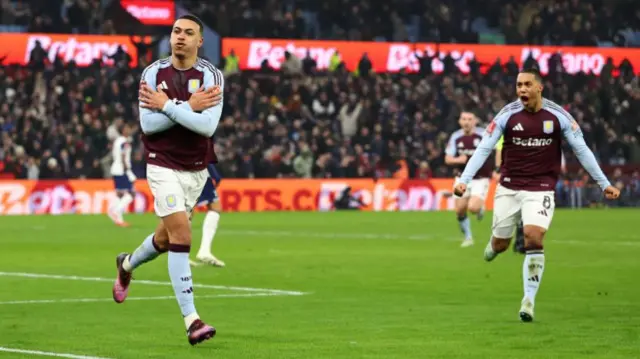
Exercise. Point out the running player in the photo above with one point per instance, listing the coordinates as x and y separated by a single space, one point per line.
123 176
533 129
460 148
180 108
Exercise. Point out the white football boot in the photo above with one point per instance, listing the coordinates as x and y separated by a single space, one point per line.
209 259
526 310
468 242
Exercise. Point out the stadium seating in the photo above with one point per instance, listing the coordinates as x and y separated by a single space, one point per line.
58 124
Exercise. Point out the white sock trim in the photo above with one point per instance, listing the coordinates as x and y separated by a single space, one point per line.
126 265
189 319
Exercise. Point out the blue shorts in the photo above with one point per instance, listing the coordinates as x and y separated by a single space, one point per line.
122 183
209 193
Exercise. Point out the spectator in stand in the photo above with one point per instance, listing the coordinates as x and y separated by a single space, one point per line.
292 65
566 22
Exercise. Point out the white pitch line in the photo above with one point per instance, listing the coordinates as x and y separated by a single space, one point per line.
392 236
417 237
47 354
94 300
148 282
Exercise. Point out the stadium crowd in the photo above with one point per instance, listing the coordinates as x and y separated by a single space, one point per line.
569 22
58 120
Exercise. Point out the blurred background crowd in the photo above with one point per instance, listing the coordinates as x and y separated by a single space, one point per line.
57 120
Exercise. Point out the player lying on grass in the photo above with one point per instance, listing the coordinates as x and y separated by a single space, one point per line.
533 129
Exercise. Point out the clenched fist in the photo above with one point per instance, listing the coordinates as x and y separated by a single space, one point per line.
459 189
204 99
611 192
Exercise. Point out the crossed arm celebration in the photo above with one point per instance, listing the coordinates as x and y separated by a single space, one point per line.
201 114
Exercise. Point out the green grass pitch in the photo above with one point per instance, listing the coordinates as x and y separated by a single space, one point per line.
372 285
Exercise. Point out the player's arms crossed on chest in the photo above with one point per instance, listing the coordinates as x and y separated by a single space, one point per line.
204 123
572 133
489 140
152 121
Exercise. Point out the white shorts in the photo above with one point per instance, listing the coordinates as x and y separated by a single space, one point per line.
175 191
478 187
535 208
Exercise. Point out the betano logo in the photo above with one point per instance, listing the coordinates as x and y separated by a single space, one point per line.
148 13
394 57
82 49
72 48
151 12
532 142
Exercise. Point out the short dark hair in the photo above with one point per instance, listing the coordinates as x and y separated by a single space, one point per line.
533 71
194 19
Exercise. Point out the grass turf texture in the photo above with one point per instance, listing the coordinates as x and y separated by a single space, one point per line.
379 285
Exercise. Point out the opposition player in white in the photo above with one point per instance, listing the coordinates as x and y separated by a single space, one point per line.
533 129
180 108
461 146
123 176
209 197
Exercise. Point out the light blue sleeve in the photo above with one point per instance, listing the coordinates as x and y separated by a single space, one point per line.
204 123
152 121
489 139
574 137
451 149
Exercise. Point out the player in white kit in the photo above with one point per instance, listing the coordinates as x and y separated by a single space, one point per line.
123 176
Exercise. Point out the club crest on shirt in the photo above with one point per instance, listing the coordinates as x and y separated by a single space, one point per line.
171 201
476 142
547 126
194 85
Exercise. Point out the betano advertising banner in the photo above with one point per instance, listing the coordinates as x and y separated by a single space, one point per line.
83 49
151 12
23 197
393 57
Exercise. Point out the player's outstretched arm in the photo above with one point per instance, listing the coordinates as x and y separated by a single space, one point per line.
491 136
204 123
573 135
